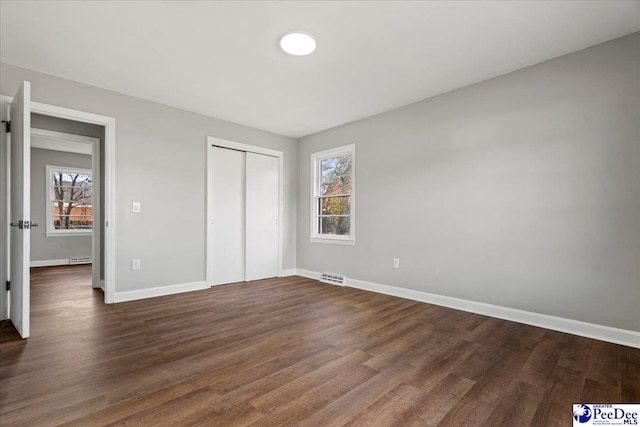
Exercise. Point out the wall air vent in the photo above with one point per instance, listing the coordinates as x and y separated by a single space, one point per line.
81 260
332 279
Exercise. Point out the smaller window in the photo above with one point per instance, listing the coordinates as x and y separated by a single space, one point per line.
69 207
333 195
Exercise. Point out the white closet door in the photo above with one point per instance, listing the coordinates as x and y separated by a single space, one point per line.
227 193
261 216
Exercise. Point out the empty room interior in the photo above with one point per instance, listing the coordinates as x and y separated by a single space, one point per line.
319 213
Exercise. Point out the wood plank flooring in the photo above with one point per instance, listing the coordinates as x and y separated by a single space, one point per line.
295 352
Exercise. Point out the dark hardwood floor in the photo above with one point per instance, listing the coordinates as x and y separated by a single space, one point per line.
291 351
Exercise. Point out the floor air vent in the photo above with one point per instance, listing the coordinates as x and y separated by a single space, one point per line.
81 260
333 279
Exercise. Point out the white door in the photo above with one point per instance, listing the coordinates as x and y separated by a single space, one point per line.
262 182
227 201
20 209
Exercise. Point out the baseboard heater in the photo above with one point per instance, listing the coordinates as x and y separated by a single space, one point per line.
80 260
333 279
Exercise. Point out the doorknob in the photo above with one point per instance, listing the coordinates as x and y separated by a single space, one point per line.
24 225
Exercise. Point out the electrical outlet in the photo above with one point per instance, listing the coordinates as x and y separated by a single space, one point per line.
135 207
396 263
135 264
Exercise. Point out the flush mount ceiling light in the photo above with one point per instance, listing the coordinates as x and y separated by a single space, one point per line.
297 43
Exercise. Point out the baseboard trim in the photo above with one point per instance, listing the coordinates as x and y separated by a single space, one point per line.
288 272
308 274
159 291
575 327
49 262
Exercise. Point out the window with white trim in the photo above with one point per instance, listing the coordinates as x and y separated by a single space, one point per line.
69 207
333 195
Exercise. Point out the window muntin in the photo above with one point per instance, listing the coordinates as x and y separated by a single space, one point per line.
333 194
69 201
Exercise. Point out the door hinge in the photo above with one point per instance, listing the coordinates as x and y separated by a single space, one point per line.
8 285
7 125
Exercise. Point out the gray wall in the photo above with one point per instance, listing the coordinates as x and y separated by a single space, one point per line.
160 162
59 247
522 191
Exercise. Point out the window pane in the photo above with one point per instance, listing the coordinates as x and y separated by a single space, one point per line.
79 192
69 178
335 185
339 225
71 207
335 205
83 180
68 216
76 222
61 193
65 209
335 166
59 208
81 210
80 222
333 191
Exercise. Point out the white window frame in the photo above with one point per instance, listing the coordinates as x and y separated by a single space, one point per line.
316 158
51 231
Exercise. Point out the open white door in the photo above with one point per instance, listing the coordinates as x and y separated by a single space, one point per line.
20 215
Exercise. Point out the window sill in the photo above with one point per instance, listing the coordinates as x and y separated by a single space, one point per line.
68 233
348 242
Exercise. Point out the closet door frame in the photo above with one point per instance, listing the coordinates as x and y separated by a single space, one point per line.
223 143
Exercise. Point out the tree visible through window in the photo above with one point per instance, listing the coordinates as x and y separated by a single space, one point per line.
333 194
71 207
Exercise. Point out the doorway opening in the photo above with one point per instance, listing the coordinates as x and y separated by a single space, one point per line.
67 195
15 210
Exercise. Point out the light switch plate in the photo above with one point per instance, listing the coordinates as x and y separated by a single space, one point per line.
136 207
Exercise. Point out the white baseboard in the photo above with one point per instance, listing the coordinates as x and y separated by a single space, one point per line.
575 327
288 272
49 262
159 291
308 274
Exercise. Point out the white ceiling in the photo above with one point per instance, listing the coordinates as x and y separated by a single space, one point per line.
222 58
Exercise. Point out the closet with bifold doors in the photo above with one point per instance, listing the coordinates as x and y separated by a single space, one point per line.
244 214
